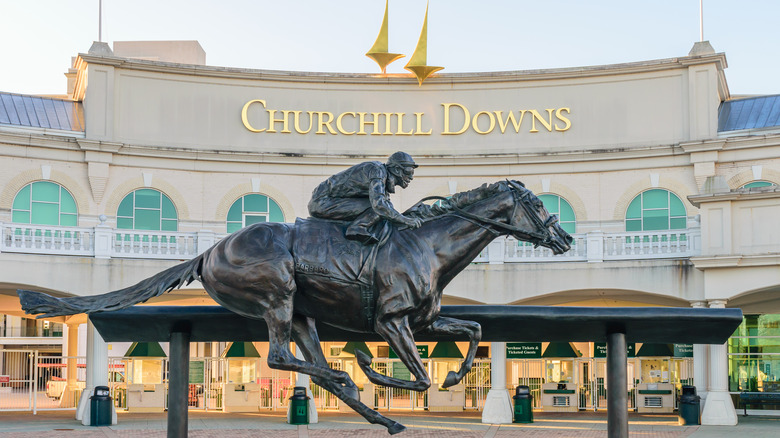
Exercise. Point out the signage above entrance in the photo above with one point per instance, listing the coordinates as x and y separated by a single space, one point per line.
683 350
422 350
523 350
600 349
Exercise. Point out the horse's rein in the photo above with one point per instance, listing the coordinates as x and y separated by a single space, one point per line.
478 220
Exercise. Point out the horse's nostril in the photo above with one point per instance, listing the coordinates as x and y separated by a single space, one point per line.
569 239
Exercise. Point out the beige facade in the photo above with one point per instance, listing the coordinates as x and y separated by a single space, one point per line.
597 137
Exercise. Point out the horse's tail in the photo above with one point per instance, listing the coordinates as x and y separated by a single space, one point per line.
165 281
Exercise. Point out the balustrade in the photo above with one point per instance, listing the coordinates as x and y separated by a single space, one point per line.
595 246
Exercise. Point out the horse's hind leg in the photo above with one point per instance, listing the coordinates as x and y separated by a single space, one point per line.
398 334
279 321
306 338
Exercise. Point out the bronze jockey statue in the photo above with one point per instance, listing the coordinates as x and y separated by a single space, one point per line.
361 194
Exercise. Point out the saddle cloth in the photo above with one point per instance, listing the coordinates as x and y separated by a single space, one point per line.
320 248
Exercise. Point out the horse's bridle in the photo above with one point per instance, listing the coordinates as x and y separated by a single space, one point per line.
521 196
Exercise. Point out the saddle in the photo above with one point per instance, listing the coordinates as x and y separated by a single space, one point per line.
320 248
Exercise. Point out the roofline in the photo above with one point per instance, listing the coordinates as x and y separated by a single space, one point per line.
403 78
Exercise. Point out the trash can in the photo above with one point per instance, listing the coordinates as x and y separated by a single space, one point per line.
688 407
100 407
523 405
299 406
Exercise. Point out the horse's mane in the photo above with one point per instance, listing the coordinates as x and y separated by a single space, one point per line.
459 200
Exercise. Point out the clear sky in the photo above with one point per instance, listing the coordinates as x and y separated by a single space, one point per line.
39 37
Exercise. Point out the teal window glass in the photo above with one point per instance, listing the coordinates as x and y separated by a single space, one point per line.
557 205
754 355
656 210
756 184
251 209
44 203
147 209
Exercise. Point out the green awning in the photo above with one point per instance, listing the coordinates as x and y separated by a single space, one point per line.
655 350
240 349
561 349
351 347
145 349
446 350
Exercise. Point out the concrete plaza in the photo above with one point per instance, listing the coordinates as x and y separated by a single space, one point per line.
419 424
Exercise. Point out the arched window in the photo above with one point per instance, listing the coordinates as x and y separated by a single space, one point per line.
557 205
656 210
251 209
44 203
755 184
147 209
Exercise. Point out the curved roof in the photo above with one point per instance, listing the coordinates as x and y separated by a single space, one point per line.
41 112
753 113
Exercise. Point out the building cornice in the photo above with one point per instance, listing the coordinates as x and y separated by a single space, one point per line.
736 195
735 261
719 59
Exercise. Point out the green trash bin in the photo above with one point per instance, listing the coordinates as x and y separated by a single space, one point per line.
523 405
100 407
299 406
688 407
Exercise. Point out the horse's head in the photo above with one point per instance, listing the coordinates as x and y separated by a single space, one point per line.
531 222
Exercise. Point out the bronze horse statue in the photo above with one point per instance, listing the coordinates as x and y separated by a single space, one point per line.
293 274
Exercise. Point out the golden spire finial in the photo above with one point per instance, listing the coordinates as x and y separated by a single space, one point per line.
417 63
378 51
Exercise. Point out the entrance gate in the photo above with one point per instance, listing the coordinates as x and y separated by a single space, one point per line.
592 389
477 384
30 381
396 398
529 372
18 385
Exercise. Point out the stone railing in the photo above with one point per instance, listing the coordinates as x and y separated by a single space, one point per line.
105 242
597 246
44 239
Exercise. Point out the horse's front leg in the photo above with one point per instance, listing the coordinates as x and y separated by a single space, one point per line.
306 338
458 327
399 336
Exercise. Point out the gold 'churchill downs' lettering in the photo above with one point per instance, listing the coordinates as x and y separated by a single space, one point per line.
454 119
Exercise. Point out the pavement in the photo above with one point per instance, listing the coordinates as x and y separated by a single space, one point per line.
421 424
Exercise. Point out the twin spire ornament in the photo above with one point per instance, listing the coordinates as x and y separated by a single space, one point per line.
417 63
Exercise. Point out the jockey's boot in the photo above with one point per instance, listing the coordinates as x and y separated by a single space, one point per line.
361 228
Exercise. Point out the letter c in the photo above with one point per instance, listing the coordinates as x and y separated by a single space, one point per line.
244 117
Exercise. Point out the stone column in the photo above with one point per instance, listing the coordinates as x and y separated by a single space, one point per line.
719 409
70 395
498 405
701 363
97 373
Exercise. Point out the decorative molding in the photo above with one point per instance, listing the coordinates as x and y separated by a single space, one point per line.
678 188
45 171
16 183
220 214
123 189
748 176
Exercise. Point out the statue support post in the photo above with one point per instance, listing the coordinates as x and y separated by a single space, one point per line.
178 383
617 388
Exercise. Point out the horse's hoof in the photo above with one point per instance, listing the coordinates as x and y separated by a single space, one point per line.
452 379
362 358
396 428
